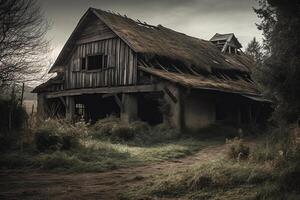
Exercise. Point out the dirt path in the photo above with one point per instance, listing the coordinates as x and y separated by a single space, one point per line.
106 185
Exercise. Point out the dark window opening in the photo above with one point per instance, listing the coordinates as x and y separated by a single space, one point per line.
94 62
149 109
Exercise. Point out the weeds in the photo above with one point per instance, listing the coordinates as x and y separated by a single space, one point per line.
205 181
237 149
136 133
271 172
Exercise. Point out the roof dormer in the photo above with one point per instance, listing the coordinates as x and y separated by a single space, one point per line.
227 43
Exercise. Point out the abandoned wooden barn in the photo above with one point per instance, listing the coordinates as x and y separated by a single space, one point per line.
113 65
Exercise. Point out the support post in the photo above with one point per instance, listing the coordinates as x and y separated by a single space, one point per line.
70 108
173 97
130 108
42 106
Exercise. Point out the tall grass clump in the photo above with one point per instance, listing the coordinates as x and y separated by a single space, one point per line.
281 151
205 181
236 149
135 133
59 135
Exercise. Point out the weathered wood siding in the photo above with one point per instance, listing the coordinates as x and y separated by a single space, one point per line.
92 30
121 68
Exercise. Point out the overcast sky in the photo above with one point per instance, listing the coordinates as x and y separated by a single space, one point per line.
198 18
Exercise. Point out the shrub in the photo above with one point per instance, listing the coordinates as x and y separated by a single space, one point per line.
45 141
139 127
122 131
163 132
69 142
237 150
19 115
102 129
137 133
56 135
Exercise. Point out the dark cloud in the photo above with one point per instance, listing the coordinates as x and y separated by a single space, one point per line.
199 18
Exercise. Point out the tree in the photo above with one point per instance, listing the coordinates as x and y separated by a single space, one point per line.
254 50
22 43
280 73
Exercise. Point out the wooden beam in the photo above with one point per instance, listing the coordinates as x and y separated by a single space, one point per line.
94 38
170 94
119 102
178 70
106 90
161 66
63 101
108 95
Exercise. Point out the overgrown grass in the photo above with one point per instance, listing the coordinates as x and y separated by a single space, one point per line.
96 156
208 181
106 145
136 133
272 171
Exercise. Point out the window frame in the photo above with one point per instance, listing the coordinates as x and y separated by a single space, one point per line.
80 109
104 61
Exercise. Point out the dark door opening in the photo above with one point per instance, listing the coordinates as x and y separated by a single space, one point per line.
149 108
97 107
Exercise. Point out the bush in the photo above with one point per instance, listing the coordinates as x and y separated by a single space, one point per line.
164 132
69 142
136 133
102 129
237 150
139 127
46 141
57 135
19 115
122 131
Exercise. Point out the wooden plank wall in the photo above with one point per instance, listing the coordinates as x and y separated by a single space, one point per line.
92 30
122 65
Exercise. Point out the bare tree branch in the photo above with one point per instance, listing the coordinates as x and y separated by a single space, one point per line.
23 47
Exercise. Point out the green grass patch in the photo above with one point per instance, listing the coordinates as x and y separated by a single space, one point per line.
96 156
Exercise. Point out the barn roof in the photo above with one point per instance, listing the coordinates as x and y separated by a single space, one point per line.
160 41
46 87
203 82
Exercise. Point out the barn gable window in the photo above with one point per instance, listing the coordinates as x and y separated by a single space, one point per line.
94 62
